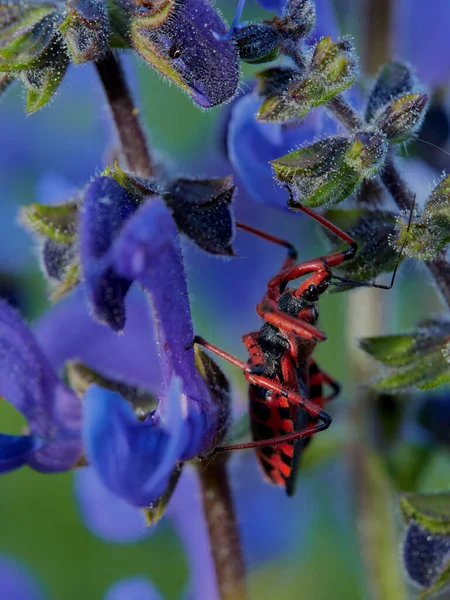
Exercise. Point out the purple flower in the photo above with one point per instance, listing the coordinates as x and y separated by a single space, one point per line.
53 412
189 48
16 582
122 242
136 588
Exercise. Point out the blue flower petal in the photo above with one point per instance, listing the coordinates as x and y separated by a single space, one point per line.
130 357
121 523
251 145
148 251
28 382
107 206
136 588
16 582
14 451
134 459
420 34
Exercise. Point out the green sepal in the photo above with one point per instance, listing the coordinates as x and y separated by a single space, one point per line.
42 83
425 373
430 234
219 390
419 359
330 170
31 47
431 511
138 187
58 222
374 231
402 117
70 282
156 510
392 350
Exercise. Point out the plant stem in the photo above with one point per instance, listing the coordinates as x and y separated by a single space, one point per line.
223 530
125 115
397 187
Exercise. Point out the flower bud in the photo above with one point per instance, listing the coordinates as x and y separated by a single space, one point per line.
394 79
402 117
186 42
256 43
299 19
330 170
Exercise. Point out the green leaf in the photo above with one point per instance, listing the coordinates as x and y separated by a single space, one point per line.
393 350
431 511
57 222
423 373
420 358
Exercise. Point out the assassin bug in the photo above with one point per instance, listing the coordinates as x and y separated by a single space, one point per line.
286 384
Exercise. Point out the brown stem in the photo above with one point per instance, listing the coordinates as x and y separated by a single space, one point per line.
344 112
223 530
125 115
401 194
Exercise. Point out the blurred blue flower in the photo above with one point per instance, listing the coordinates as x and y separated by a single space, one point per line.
419 34
135 588
53 412
16 583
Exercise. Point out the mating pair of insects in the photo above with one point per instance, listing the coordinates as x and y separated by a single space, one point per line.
286 393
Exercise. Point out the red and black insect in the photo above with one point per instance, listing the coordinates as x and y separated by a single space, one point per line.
286 384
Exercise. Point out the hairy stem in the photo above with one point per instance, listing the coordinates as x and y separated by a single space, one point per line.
125 115
399 190
223 530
